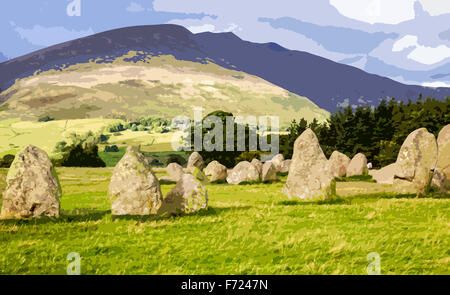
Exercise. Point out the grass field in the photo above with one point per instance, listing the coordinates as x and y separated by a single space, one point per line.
15 135
248 229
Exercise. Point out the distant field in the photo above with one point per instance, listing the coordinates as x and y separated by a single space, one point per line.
248 229
15 135
112 158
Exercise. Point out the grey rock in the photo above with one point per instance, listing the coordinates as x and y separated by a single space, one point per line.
134 189
309 177
33 189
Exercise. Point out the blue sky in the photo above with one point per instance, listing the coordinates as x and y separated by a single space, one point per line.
407 40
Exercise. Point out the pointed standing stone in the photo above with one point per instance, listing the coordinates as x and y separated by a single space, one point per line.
134 189
309 177
33 189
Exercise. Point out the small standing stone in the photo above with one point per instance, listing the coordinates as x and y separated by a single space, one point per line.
338 164
175 172
243 172
358 165
257 163
188 196
216 171
195 160
442 172
269 172
416 162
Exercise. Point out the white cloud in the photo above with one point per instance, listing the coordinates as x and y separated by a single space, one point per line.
388 11
436 7
422 51
135 7
422 54
405 42
202 28
430 55
435 84
376 11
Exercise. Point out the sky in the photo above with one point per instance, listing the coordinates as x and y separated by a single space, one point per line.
406 40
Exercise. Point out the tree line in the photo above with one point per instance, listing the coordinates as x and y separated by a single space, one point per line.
377 132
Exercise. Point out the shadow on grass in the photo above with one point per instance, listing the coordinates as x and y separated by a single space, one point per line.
166 182
84 215
356 178
433 195
333 201
76 215
211 211
363 198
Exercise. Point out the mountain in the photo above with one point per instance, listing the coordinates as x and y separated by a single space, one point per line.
159 86
328 84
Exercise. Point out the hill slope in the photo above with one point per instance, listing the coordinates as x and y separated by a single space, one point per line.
325 82
150 85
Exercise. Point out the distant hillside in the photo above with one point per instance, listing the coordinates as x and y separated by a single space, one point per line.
161 86
325 82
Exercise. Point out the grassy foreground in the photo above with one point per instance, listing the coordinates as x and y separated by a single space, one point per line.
248 229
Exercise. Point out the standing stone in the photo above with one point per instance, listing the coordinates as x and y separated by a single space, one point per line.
33 189
269 172
175 172
134 189
284 168
277 162
195 160
216 171
309 176
442 172
416 162
243 172
257 163
188 196
385 175
358 165
338 164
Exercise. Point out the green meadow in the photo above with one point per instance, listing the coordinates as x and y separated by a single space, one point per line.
248 229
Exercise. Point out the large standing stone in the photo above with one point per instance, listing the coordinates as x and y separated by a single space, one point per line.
416 162
442 172
338 164
134 189
269 172
195 160
257 163
385 175
277 162
175 172
309 176
358 165
33 189
285 165
216 171
188 196
243 172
